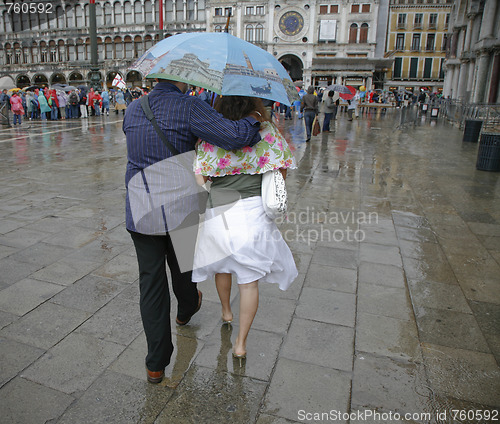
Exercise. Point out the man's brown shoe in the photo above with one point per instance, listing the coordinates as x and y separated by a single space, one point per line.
155 377
184 322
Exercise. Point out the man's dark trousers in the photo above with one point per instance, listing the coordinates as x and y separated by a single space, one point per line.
155 295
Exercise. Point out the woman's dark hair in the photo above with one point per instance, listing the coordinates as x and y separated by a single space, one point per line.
331 93
238 107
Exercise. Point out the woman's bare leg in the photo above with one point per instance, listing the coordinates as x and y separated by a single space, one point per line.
223 284
249 303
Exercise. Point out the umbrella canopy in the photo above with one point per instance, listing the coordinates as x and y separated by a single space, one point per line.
221 63
338 88
15 90
32 88
352 92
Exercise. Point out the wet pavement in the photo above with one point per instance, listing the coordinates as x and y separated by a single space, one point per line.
396 309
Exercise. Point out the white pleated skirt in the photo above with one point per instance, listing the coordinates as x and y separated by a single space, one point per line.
240 239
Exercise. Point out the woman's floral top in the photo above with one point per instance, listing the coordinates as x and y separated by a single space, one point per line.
271 152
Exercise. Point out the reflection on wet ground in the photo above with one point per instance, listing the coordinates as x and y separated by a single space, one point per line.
396 309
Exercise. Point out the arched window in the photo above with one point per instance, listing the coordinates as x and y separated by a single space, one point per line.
100 49
86 15
148 42
259 33
148 11
16 21
70 18
118 14
61 51
249 33
353 33
26 55
52 51
128 12
138 50
99 15
25 21
129 47
80 50
108 48
60 17
138 19
43 52
34 20
118 48
34 52
8 54
218 28
88 53
108 14
363 33
71 51
79 16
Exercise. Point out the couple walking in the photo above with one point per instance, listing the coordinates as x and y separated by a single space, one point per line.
236 238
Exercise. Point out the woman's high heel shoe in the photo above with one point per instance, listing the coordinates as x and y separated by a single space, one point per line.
227 322
241 357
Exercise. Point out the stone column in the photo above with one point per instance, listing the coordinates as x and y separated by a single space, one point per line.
488 22
447 81
495 75
468 36
462 79
369 83
470 81
454 83
481 78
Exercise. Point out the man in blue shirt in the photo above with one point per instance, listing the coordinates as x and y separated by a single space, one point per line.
153 174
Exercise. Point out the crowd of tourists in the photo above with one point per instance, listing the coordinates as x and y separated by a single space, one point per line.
56 104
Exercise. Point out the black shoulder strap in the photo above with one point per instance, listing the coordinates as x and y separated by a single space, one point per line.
151 118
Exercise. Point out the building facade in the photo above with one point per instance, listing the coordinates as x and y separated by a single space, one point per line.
417 39
473 61
318 41
37 50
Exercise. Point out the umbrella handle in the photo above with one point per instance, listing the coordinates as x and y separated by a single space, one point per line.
226 29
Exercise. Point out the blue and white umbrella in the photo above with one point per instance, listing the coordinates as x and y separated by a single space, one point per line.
219 62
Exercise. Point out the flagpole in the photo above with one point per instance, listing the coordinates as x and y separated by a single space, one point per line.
226 30
161 19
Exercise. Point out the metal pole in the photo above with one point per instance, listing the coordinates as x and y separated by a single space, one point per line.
160 12
227 23
95 76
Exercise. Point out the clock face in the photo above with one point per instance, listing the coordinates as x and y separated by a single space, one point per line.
291 23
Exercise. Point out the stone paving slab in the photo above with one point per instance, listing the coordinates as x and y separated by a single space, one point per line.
405 319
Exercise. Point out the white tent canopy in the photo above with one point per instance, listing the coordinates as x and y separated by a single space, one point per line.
7 83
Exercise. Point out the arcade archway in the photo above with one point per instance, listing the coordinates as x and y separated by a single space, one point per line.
294 66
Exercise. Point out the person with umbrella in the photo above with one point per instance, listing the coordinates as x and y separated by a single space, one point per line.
310 108
330 108
250 245
182 119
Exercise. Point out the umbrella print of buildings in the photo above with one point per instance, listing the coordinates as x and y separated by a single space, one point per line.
191 69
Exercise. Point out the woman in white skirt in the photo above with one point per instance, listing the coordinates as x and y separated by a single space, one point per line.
237 237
